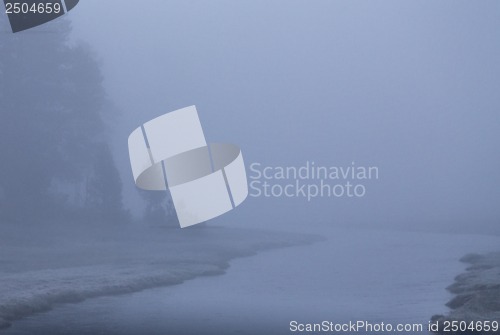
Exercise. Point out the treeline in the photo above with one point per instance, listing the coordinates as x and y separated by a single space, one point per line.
55 161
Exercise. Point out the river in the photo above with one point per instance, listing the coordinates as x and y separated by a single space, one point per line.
390 277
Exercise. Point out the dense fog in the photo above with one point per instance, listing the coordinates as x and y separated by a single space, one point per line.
409 87
397 99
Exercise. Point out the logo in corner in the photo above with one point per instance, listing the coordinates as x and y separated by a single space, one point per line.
204 180
28 14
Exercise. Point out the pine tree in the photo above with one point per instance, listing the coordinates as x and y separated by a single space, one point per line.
54 156
159 210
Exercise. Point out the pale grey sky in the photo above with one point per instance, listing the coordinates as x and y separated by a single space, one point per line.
411 87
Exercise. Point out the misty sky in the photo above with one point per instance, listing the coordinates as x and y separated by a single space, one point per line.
411 87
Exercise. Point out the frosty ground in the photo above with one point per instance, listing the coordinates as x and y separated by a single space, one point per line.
477 292
45 264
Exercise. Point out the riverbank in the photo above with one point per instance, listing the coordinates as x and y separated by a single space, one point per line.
477 292
375 276
49 264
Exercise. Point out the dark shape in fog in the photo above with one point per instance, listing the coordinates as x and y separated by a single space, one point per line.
31 13
56 160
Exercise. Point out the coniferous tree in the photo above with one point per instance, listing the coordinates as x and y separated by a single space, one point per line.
159 210
54 156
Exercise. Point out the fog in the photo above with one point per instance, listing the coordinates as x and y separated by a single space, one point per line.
409 87
404 91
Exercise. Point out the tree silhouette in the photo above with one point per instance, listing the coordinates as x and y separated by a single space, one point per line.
54 156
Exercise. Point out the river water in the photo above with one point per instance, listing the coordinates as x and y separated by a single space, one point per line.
390 277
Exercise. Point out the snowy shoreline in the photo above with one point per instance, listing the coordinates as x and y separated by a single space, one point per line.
476 292
68 268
